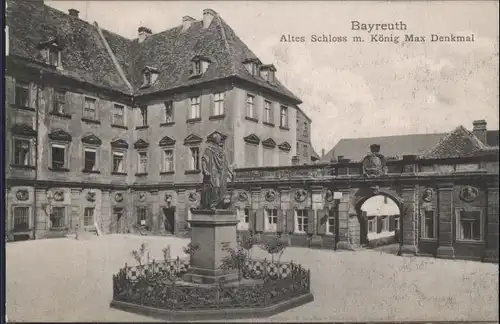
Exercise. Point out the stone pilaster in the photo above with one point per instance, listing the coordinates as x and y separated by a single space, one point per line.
409 239
42 220
344 242
491 234
182 211
254 195
76 217
445 217
106 214
317 203
155 209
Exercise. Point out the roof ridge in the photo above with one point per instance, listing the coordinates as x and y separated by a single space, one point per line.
226 44
113 58
388 136
476 141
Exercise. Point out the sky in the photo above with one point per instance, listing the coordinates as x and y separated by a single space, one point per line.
351 89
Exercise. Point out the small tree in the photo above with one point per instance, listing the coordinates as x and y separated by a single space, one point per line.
139 254
236 259
273 246
247 242
191 248
166 253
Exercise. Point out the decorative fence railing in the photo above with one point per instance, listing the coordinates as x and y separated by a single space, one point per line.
157 285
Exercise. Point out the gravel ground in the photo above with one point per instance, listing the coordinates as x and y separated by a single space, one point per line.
70 280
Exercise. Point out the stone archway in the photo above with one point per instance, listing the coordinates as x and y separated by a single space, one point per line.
361 196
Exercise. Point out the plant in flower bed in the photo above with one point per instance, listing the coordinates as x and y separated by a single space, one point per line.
237 259
273 246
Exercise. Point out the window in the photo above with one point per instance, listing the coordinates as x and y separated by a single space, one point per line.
118 162
143 162
197 67
53 56
268 113
251 107
396 223
168 160
59 102
21 217
428 226
218 104
195 111
143 111
22 94
284 116
119 115
141 216
251 155
247 215
147 77
306 153
251 68
58 156
469 225
90 159
268 156
58 217
169 112
88 216
89 110
271 219
372 224
297 148
302 220
332 213
385 223
22 151
305 132
194 161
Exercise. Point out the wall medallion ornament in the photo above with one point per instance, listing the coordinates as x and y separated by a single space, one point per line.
142 196
193 196
469 194
300 195
22 195
58 195
428 195
91 195
168 198
119 197
329 195
242 196
270 195
374 163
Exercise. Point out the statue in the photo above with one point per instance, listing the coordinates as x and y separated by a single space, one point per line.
216 172
374 163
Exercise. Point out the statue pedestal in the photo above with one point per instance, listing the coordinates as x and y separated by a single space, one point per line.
213 231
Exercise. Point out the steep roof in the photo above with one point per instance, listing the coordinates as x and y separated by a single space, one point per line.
458 143
84 55
170 52
357 148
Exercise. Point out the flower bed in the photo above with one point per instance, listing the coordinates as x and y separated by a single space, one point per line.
159 285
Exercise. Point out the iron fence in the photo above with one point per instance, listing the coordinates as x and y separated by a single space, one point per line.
159 285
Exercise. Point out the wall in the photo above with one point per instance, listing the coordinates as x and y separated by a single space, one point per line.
303 139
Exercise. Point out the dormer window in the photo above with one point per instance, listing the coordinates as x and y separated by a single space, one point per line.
200 65
150 75
252 66
51 52
267 72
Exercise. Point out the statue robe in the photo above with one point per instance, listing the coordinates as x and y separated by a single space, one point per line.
215 173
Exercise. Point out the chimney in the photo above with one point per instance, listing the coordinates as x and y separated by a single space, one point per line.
208 16
144 32
186 22
479 130
340 157
322 153
73 13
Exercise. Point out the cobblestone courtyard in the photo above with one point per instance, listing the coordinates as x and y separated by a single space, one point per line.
70 280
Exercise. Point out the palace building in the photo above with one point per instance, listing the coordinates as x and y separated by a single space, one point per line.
92 116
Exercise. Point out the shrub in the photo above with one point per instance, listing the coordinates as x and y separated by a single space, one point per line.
273 246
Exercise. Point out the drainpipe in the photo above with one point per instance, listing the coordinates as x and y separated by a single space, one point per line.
37 104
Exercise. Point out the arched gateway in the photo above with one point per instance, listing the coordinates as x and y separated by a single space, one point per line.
448 206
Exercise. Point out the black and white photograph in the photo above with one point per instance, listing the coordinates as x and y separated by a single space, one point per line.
268 161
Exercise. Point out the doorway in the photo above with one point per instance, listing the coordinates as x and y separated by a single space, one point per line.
118 219
169 219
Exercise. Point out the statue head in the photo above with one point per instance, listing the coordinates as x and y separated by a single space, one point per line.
217 139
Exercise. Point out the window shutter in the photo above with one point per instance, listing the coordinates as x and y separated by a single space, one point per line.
290 220
379 223
212 104
322 216
280 227
310 221
149 219
251 220
391 223
259 221
33 90
51 100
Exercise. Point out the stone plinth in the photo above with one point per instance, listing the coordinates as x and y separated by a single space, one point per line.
213 231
